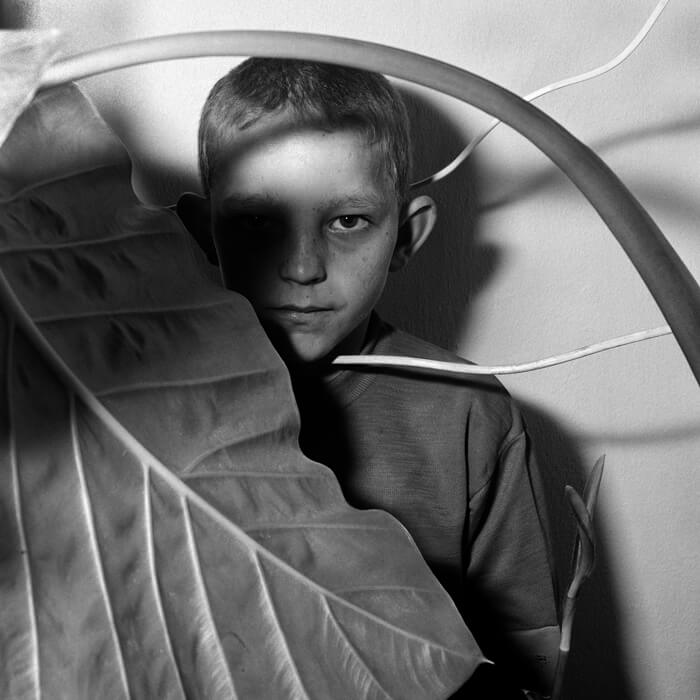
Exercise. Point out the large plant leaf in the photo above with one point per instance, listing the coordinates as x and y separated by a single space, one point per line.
162 535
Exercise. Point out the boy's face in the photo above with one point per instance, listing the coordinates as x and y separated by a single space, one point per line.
305 225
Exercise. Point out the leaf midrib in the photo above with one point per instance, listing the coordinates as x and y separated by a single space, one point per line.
74 384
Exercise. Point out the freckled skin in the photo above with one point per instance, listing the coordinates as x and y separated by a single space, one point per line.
305 226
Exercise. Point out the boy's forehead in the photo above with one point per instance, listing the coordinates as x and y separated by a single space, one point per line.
280 145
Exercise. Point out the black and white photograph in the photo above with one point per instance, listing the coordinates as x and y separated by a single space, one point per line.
349 350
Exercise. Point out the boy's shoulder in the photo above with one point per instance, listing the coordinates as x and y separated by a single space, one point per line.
474 393
411 345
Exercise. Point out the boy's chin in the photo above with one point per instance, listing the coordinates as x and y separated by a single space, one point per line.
301 353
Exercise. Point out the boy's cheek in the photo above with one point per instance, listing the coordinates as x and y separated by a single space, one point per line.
245 267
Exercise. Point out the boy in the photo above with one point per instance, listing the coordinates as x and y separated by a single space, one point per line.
305 170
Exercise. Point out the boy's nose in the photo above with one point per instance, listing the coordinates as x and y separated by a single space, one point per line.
303 260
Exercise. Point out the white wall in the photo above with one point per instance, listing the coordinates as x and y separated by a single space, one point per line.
520 267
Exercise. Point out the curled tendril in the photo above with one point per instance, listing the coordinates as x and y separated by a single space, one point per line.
584 561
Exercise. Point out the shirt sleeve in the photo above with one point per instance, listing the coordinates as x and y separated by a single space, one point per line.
511 596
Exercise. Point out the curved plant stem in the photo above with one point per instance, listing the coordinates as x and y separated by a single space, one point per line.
417 363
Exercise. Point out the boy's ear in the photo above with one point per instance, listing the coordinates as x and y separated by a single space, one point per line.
195 214
417 221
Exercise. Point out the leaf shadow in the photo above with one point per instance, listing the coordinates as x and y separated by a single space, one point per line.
650 434
652 191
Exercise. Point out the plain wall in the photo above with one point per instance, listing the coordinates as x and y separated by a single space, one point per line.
520 266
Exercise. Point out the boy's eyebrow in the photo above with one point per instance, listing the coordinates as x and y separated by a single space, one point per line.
248 200
361 199
357 199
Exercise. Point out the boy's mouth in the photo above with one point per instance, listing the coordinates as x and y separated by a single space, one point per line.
295 313
304 309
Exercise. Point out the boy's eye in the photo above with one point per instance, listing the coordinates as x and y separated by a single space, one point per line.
254 222
349 222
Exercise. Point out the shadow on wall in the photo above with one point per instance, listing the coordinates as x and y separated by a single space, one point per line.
431 298
596 665
652 189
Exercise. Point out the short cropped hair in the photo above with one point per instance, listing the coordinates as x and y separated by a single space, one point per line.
330 96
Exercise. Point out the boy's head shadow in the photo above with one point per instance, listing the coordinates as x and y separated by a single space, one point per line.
431 297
